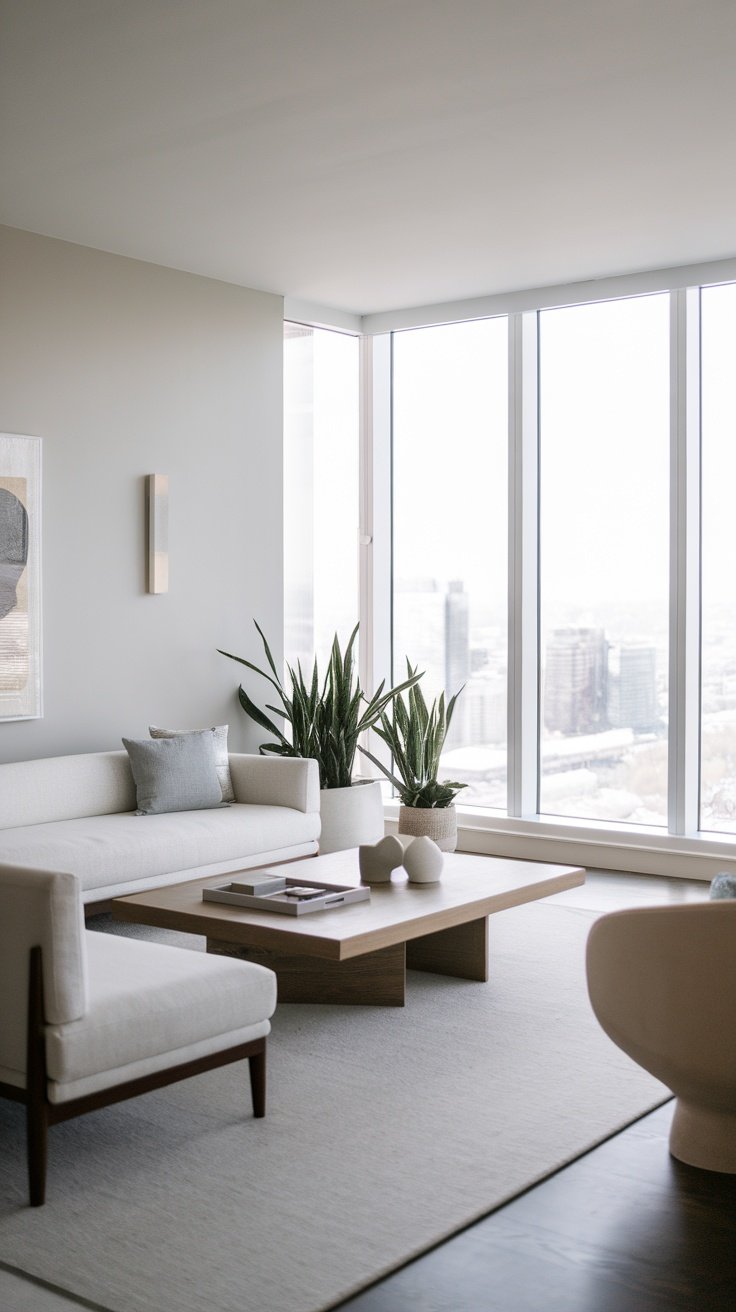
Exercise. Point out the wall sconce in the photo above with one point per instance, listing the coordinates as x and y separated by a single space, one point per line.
157 489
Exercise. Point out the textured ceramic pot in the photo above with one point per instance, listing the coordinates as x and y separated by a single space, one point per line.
350 816
436 822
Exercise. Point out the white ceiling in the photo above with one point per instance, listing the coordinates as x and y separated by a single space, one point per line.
374 154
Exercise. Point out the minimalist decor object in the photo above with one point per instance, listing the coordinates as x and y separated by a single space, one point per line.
20 577
415 735
222 763
287 896
174 774
423 861
326 718
378 860
157 488
662 984
723 886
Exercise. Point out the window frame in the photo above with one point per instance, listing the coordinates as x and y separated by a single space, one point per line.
683 850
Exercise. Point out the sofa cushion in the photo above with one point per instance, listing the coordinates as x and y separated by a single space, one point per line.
103 851
147 998
65 787
176 773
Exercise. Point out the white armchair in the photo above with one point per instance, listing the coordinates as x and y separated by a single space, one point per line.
88 1019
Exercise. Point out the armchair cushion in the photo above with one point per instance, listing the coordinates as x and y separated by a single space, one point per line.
150 1001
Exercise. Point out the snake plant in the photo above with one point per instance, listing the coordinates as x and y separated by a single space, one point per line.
325 718
415 735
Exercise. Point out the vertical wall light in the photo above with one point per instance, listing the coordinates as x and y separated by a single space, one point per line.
157 487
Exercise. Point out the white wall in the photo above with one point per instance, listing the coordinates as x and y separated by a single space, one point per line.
125 369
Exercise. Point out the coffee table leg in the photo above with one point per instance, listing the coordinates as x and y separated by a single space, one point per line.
461 951
376 979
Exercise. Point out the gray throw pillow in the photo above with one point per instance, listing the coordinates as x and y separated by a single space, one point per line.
174 774
222 762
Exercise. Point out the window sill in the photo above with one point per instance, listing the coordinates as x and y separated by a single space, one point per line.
637 849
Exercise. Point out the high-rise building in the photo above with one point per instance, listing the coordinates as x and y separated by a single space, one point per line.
431 628
457 637
576 681
632 687
419 633
480 714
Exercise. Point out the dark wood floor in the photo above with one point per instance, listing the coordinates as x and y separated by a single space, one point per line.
625 1228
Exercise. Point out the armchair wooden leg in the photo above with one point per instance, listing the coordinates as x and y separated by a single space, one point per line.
37 1115
37 1132
257 1070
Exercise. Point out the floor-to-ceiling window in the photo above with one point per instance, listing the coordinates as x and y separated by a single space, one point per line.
321 411
450 440
604 560
597 522
718 658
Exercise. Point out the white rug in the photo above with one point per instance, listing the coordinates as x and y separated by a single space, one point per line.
386 1131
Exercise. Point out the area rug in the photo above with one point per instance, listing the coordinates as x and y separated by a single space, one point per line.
387 1130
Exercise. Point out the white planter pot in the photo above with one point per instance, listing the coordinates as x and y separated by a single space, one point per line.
350 816
436 822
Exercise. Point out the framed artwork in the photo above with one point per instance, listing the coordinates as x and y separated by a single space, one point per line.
20 577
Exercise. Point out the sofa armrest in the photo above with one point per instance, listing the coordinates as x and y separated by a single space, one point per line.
275 781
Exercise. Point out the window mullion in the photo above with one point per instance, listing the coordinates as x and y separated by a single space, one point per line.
523 605
684 681
374 531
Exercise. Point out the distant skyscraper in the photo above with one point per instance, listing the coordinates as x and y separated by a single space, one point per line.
576 681
480 714
457 637
632 690
419 633
432 628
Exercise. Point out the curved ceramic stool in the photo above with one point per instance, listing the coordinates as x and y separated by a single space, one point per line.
662 981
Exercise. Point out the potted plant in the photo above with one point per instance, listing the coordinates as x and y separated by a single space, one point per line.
415 735
326 719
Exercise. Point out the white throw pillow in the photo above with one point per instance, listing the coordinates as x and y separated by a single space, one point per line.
222 764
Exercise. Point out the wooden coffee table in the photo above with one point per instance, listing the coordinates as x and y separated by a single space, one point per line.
360 953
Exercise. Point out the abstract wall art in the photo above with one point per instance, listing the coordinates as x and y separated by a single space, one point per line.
20 577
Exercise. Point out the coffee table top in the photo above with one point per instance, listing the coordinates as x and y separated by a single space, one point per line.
471 887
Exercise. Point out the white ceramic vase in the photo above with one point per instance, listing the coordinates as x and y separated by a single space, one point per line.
423 861
350 816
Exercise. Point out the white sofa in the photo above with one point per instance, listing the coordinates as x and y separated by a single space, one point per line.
77 814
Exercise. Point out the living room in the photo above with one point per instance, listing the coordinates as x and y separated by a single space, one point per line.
496 229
